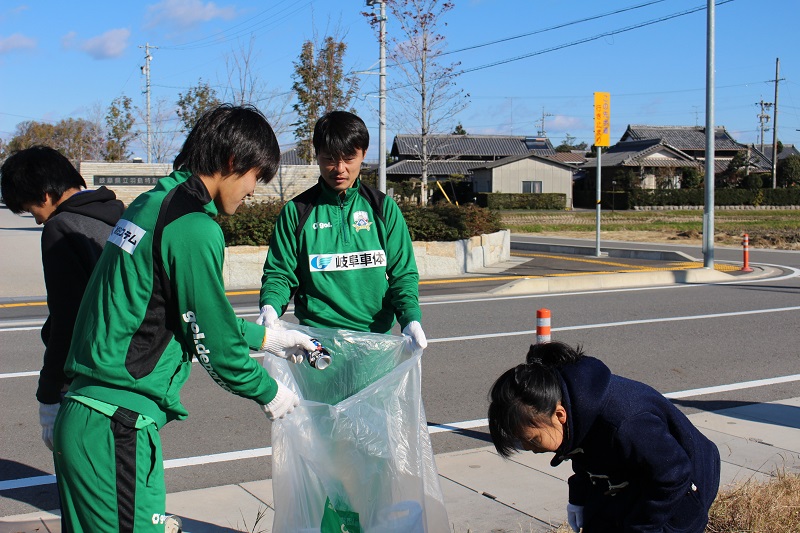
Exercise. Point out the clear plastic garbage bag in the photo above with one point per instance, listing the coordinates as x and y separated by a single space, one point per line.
355 456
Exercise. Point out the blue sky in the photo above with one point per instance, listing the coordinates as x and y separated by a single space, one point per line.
67 59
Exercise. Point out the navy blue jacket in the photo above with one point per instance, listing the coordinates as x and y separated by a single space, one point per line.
640 465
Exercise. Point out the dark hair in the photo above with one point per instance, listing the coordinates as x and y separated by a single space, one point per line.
526 394
29 175
231 139
340 134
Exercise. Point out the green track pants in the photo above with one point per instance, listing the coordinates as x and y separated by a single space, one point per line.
110 474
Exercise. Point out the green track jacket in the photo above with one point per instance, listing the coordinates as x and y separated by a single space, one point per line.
350 269
155 300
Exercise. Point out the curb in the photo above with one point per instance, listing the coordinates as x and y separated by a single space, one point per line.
612 280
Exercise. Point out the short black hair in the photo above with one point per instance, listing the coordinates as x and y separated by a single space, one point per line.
340 134
231 139
28 176
527 394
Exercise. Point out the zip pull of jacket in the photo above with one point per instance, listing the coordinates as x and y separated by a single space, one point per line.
343 220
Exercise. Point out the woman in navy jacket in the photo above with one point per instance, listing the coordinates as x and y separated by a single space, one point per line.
640 465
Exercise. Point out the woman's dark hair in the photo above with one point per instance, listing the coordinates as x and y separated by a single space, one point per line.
231 140
527 394
29 175
340 134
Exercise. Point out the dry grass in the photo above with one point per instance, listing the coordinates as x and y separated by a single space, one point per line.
758 507
776 229
753 507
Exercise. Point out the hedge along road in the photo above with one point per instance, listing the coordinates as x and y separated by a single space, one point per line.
739 337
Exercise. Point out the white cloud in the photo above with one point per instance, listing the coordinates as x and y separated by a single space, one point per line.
16 41
186 13
106 46
69 41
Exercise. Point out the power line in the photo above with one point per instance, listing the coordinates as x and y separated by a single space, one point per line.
536 32
593 38
569 44
551 28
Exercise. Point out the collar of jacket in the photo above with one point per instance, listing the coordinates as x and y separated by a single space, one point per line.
333 197
584 390
194 186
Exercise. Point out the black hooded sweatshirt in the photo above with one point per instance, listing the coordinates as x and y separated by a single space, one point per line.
72 240
640 465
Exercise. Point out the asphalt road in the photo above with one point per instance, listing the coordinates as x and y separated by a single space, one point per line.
677 338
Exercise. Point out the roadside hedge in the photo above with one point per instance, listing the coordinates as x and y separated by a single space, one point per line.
447 222
498 200
776 197
253 224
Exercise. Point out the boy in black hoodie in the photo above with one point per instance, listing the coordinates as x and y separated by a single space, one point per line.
77 223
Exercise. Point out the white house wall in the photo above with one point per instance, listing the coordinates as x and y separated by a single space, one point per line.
508 178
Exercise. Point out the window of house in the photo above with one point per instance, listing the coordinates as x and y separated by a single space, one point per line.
532 187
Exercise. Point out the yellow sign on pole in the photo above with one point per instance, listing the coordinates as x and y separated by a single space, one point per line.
602 119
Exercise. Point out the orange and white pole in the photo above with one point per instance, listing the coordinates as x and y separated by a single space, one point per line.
746 252
542 326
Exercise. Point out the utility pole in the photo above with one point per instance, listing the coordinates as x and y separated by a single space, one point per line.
763 118
542 131
146 71
775 128
381 97
708 209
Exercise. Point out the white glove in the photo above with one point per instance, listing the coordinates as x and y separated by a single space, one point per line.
267 317
47 417
575 517
282 404
414 330
288 344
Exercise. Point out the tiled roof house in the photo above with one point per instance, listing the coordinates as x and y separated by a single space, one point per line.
653 150
459 154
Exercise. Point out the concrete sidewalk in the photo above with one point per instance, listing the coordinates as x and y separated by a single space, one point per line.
485 493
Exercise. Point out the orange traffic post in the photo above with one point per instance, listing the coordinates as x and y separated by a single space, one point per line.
746 252
542 326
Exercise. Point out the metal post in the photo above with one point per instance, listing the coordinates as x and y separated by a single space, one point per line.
708 213
597 199
382 105
775 128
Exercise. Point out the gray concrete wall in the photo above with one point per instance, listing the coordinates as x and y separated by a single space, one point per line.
132 179
244 264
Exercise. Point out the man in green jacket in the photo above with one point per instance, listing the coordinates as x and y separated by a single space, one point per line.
155 302
342 248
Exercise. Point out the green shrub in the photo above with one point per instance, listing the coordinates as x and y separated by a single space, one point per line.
497 200
252 225
446 222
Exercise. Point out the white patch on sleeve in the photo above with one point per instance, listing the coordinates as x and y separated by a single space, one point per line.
126 235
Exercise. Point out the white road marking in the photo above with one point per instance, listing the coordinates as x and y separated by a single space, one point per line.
432 429
565 328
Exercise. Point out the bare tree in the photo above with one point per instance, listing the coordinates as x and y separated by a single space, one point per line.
96 115
165 135
246 86
425 96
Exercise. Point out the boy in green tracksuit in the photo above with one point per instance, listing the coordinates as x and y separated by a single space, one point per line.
155 301
342 246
